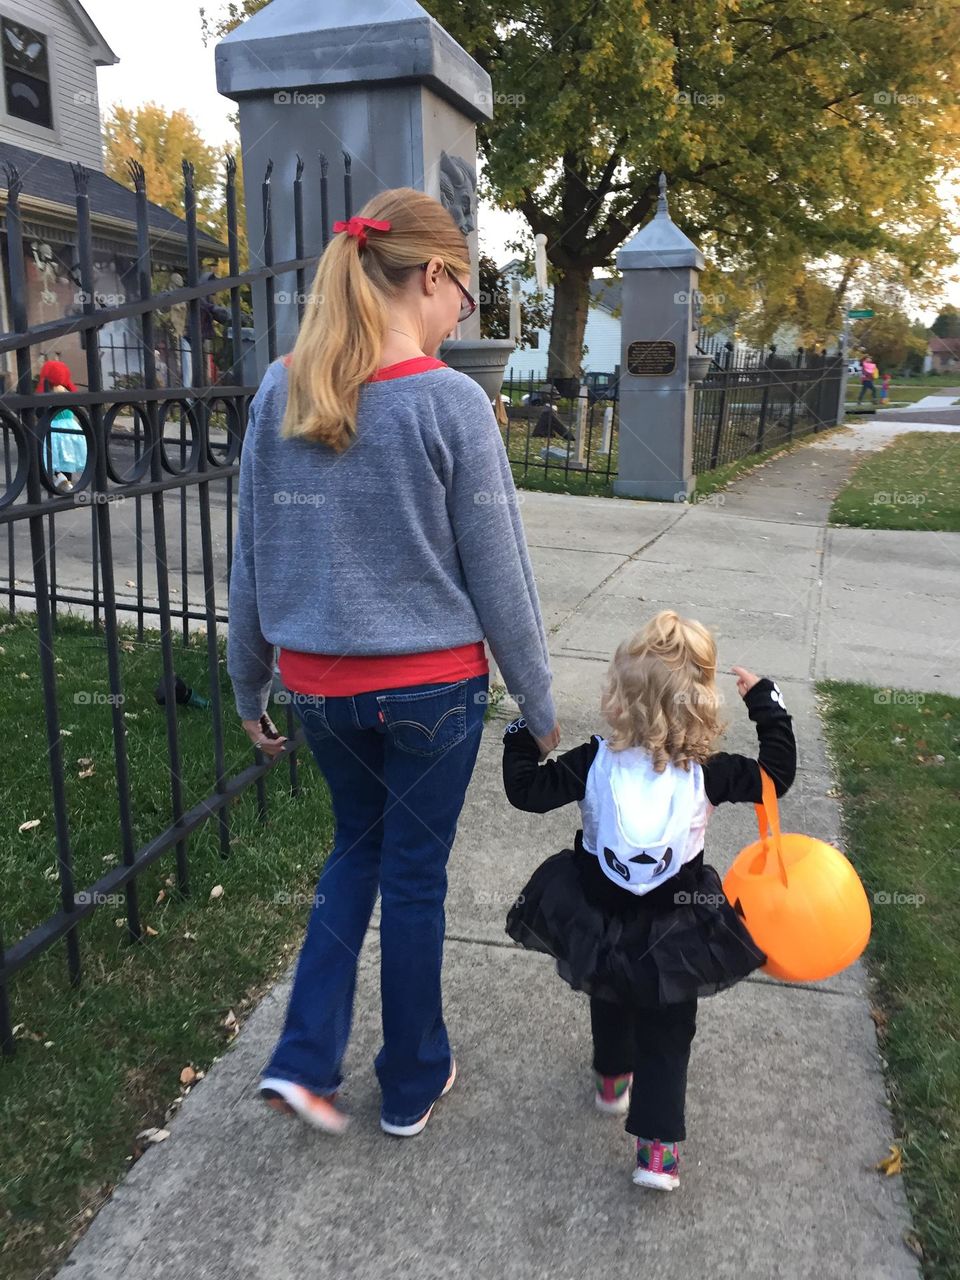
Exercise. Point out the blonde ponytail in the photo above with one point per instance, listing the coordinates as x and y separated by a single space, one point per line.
345 317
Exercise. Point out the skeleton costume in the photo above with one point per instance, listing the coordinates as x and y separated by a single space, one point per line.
632 913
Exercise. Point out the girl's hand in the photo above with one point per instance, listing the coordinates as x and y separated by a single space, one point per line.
264 735
745 680
547 743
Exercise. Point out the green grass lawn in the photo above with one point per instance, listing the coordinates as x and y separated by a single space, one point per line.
914 483
897 758
98 1064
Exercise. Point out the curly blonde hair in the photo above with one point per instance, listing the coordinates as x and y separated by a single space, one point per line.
661 694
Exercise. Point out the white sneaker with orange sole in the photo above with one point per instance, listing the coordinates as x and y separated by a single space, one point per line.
408 1130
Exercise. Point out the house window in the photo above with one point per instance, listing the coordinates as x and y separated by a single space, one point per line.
26 74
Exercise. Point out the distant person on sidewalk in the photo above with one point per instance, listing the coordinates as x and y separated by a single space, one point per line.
884 389
868 375
379 542
64 445
632 914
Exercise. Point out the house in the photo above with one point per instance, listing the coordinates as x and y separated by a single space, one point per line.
49 117
943 355
601 336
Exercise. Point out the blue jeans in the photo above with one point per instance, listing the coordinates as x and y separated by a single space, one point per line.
397 762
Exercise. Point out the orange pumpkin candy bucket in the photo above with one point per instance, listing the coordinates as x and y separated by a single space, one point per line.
799 898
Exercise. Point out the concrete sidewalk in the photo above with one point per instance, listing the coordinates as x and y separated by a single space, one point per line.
517 1176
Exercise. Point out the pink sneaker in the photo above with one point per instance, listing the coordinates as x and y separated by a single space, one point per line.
316 1110
658 1164
612 1094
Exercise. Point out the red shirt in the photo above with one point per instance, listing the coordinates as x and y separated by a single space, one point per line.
338 675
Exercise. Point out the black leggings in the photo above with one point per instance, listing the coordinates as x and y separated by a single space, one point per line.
655 1045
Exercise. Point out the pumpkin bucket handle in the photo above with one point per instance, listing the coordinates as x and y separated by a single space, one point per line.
768 820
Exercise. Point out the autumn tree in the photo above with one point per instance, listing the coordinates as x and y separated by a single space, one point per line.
947 323
790 133
161 141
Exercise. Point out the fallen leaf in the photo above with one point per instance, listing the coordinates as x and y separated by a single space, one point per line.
153 1135
892 1163
160 896
28 826
880 1019
230 1023
152 932
188 1075
86 773
83 761
216 891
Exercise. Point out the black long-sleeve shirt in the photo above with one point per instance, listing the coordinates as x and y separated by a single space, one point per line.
727 776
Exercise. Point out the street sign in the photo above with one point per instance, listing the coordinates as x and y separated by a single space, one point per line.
863 314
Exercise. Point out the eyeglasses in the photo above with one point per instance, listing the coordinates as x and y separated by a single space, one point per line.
468 306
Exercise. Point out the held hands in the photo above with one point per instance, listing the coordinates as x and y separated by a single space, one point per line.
264 735
548 742
745 680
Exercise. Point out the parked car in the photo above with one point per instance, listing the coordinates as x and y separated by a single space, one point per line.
602 386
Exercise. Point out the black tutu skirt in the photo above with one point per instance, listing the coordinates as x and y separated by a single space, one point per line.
679 942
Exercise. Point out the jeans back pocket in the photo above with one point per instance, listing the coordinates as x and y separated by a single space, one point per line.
426 722
311 709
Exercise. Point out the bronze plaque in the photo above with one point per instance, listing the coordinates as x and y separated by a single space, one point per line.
651 359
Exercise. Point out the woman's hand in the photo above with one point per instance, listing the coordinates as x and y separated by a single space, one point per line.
263 734
547 743
745 680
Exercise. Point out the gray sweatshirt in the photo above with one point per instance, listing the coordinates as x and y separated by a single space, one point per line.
409 540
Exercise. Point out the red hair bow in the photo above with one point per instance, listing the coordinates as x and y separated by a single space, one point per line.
355 227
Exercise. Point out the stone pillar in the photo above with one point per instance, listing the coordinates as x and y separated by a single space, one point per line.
661 271
386 84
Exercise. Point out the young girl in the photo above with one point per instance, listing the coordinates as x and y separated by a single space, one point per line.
632 914
66 445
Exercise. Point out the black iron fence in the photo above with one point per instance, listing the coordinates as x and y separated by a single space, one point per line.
158 443
751 401
565 434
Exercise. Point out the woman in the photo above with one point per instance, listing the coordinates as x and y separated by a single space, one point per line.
378 543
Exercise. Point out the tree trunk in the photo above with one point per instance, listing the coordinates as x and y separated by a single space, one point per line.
571 300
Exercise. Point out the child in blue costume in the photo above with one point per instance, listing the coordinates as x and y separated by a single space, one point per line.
632 914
